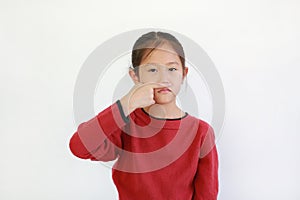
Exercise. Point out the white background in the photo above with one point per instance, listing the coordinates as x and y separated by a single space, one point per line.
254 45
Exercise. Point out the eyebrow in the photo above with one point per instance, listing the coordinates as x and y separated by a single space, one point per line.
173 62
168 63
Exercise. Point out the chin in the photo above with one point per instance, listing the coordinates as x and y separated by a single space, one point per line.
164 100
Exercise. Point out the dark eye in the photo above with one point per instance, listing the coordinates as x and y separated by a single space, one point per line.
152 70
172 69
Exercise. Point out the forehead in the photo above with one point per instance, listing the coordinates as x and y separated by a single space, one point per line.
164 54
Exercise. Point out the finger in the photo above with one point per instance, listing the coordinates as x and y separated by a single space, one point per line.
156 85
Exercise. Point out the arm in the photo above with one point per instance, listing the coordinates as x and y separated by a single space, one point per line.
206 179
98 138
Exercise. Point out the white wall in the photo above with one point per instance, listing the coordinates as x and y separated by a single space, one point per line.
254 45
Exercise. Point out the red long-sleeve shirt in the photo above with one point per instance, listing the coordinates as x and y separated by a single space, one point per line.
157 159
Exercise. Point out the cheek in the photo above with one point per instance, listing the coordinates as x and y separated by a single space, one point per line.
176 83
146 77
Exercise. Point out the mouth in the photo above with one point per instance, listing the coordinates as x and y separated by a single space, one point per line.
164 90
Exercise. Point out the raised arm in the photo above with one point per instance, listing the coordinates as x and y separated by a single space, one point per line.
98 138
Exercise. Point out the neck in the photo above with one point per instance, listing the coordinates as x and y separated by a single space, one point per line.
170 110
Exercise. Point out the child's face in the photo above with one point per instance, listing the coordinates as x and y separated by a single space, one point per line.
162 65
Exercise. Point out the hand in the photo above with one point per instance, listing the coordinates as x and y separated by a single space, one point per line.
141 95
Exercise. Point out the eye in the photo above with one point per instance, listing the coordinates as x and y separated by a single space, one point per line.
172 69
152 70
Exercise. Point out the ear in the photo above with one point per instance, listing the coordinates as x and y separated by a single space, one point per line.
133 76
185 72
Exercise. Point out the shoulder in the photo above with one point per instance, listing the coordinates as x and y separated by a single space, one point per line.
203 126
205 131
206 135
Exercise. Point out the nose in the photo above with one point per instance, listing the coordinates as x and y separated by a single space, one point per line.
163 76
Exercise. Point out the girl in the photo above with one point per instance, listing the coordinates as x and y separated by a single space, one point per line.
162 152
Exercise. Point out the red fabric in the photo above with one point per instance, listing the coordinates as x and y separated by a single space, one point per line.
157 159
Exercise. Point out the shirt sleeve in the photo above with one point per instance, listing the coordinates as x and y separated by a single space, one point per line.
206 179
100 137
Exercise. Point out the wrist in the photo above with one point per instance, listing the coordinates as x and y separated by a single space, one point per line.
125 103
